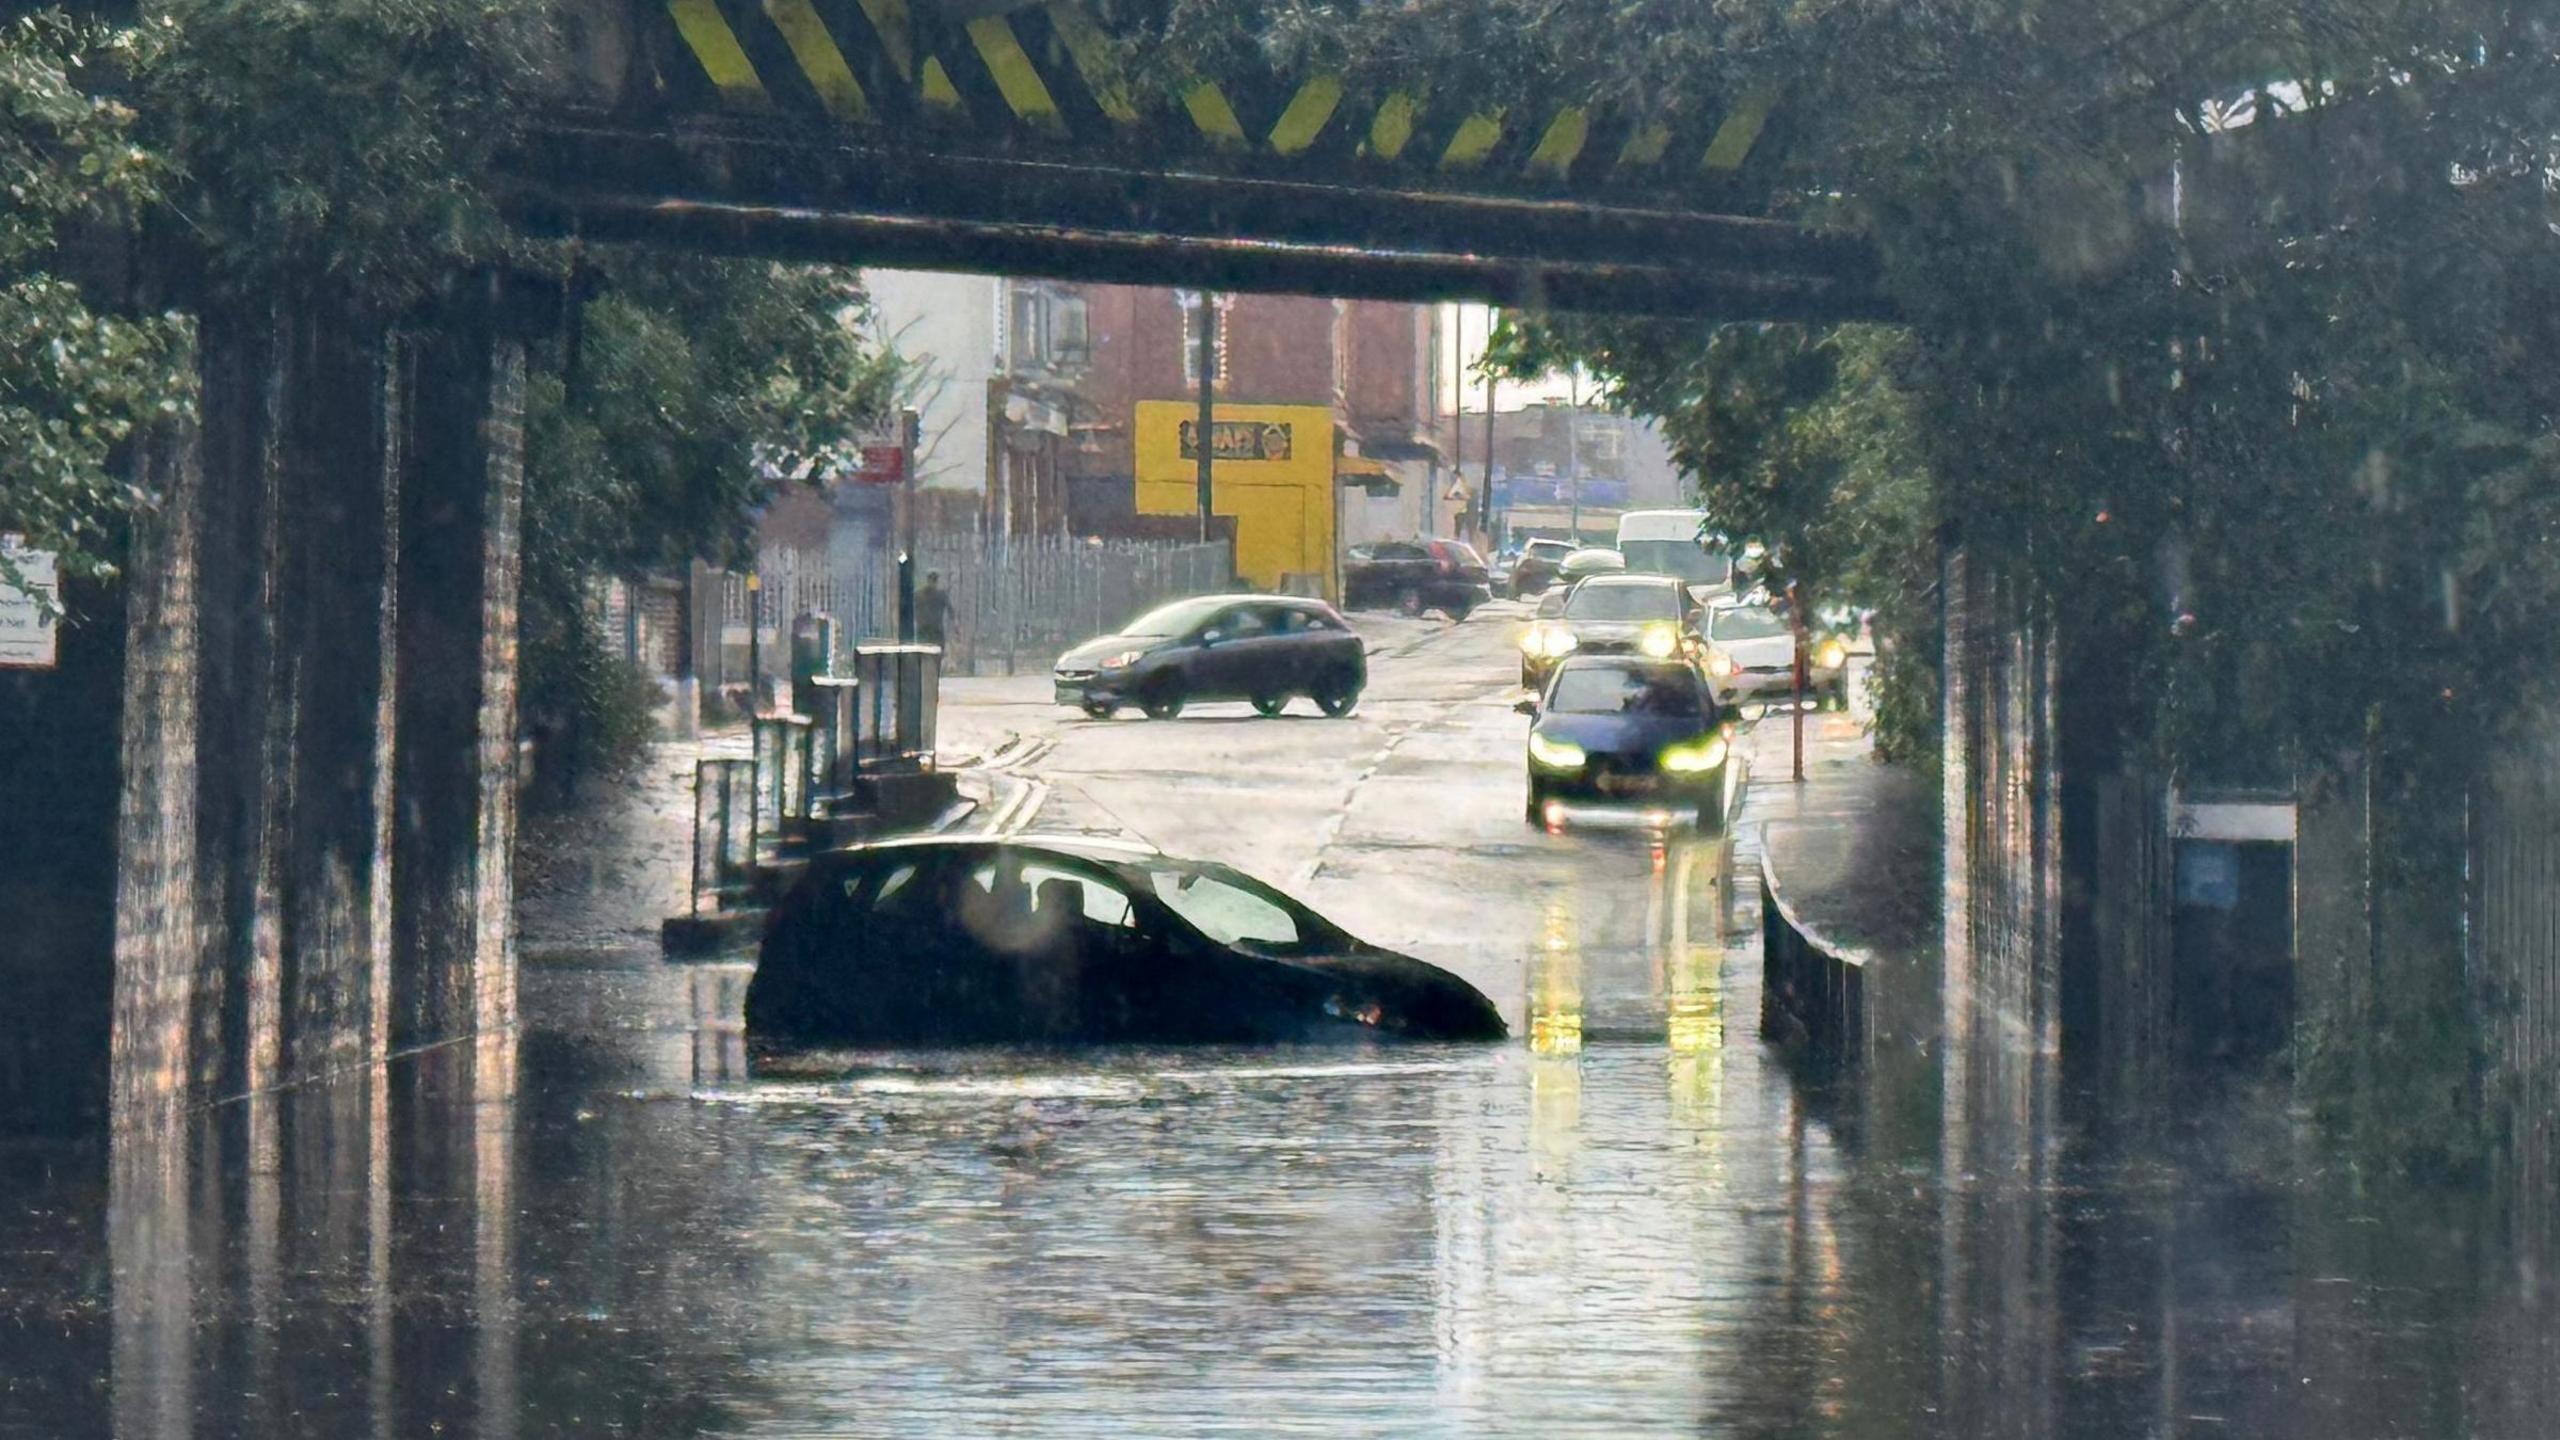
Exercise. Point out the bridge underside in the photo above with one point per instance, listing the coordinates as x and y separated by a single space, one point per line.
1011 137
749 194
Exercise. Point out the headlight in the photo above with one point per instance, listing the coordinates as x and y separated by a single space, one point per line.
1830 656
1719 663
1554 754
1549 641
1659 641
1123 660
1696 757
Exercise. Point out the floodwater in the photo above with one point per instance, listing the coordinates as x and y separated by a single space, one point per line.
605 1226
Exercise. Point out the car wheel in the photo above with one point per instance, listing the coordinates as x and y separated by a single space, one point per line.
1269 705
1459 610
1336 700
1163 702
1409 601
1099 709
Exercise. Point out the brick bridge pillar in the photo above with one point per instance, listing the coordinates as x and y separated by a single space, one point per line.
314 836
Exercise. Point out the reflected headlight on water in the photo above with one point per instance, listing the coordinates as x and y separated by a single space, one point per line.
1555 754
1695 758
1659 641
1550 642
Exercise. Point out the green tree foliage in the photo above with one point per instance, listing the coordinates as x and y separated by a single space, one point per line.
350 144
76 380
2230 328
1804 439
2227 324
656 425
349 152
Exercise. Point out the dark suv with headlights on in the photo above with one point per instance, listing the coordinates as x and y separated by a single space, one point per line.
1626 729
1647 615
1262 648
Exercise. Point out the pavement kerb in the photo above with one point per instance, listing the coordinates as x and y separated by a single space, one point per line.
1851 955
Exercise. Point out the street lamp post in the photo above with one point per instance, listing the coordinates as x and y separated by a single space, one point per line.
1573 452
1484 497
909 426
1205 426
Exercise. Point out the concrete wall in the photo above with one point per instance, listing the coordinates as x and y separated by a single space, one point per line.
280 826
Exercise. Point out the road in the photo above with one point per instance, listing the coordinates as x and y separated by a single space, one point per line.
1402 821
1638 1219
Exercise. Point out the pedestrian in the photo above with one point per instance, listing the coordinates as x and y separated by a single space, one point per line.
933 610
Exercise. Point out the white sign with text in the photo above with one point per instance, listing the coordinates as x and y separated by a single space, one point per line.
30 606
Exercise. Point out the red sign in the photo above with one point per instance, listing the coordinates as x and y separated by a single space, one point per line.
881 465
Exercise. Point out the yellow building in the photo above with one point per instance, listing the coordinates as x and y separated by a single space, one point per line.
1271 467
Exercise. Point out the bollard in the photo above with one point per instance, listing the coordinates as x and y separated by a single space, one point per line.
813 649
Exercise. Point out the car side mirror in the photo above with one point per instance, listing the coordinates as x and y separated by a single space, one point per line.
1526 705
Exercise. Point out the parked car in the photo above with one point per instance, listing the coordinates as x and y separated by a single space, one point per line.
1646 615
1267 649
1536 569
1751 655
1626 728
1416 575
971 941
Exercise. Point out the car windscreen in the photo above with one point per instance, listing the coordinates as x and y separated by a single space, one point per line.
1624 602
1683 559
1174 619
1232 910
1746 622
1625 690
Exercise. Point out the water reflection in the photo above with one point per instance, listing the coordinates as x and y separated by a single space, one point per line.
620 1231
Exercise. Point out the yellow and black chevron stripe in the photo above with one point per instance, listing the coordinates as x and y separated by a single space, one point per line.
1048 72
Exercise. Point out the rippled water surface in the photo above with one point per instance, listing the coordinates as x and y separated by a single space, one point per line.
613 1229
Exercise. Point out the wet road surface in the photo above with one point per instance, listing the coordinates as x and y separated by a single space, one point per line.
1635 1219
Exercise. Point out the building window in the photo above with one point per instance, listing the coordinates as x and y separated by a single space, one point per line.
1188 302
1043 329
1070 331
1028 331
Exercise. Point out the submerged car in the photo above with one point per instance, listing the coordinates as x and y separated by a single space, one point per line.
1076 941
1626 729
1647 615
1751 655
1267 649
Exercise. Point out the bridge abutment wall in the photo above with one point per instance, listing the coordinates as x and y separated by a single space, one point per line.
276 800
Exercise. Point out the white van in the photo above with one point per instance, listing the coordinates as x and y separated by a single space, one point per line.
1676 542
